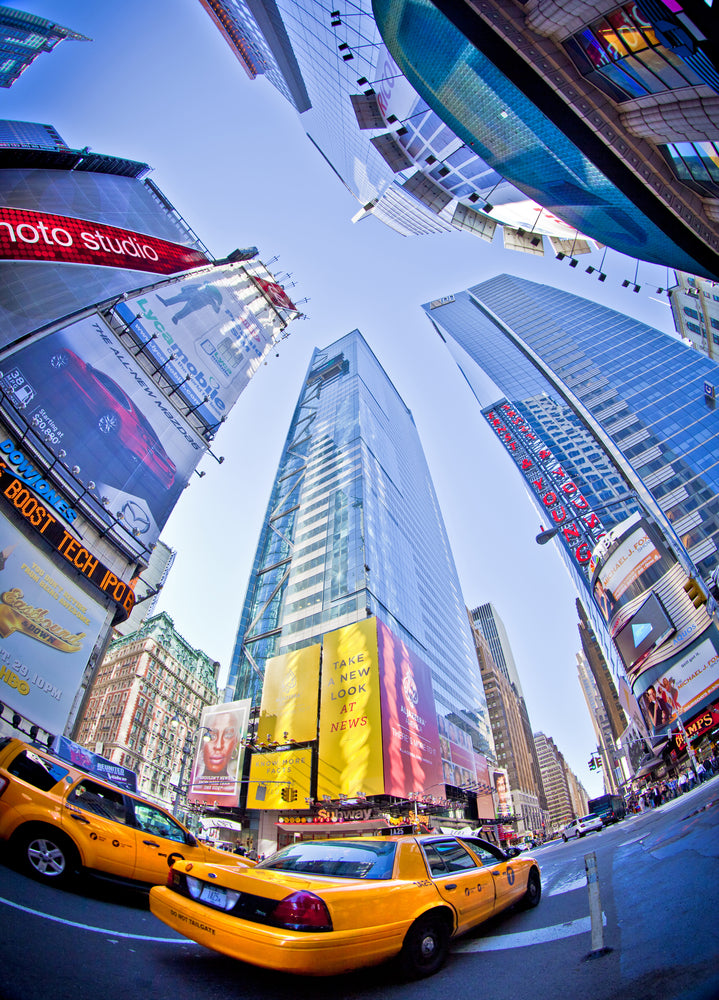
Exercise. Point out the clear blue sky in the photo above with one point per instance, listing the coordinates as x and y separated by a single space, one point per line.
158 84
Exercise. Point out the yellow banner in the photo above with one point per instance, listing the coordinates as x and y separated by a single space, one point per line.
350 746
289 697
280 780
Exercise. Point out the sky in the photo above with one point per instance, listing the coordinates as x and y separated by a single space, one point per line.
158 84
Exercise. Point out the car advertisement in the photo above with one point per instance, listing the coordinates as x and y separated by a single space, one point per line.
106 421
216 776
688 680
410 738
280 780
290 690
207 334
350 742
48 628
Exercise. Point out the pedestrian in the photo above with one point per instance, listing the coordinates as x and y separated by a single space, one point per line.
683 782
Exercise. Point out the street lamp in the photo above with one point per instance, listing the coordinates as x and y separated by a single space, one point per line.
187 749
545 536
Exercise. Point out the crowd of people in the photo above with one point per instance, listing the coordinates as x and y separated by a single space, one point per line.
655 793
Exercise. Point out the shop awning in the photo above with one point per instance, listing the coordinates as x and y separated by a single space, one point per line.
356 826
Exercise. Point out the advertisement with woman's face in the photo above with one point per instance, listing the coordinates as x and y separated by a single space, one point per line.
501 787
217 771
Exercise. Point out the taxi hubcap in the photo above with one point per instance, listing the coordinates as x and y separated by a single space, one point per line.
46 857
428 946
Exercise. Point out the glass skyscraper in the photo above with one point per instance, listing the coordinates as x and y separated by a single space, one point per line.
592 381
353 529
23 37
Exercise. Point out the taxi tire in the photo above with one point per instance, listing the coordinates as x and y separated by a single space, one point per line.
46 854
426 945
532 896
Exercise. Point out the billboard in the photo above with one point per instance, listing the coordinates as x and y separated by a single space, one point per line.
216 776
99 413
503 799
40 289
40 236
350 740
280 780
48 627
290 691
410 738
688 679
648 627
207 334
458 757
635 562
93 763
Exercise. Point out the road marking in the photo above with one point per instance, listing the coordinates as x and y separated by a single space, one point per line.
95 930
575 882
524 939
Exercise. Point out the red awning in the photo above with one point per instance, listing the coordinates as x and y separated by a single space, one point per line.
356 826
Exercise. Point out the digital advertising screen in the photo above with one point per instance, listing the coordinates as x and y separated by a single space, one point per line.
648 627
216 775
410 738
630 567
689 679
99 413
48 628
458 757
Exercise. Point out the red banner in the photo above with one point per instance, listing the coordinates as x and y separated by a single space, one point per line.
26 235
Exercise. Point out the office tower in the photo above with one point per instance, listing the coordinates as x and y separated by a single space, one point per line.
352 530
695 307
606 114
611 770
554 771
401 162
148 692
509 720
639 393
601 676
23 37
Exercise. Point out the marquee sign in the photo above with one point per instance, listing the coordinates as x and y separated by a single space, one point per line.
38 236
548 481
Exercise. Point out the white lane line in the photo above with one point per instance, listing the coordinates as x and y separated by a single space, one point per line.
95 930
577 882
523 939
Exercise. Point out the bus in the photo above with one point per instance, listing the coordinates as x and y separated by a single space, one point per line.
611 808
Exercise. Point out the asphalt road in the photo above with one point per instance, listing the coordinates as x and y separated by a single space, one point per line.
658 891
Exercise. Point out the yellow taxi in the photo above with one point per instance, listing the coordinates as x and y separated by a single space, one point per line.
325 907
57 819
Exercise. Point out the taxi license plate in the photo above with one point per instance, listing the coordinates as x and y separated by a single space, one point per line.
215 895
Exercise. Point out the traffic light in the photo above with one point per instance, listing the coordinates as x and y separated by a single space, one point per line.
695 593
288 794
592 764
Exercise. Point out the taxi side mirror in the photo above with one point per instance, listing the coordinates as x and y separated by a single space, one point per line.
190 839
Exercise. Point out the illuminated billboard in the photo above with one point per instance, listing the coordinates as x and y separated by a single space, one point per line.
39 236
410 739
99 413
48 628
280 780
503 799
686 681
209 333
350 742
648 627
458 757
290 691
46 210
216 776
632 559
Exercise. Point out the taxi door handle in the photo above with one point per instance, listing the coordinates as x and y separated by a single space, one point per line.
150 843
496 874
451 885
79 818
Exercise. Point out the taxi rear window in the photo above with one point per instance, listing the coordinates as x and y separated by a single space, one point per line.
339 859
36 770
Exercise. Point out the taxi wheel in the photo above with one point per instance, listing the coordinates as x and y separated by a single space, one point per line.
564 838
425 947
47 855
534 891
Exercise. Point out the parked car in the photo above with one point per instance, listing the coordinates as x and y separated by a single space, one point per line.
578 827
57 819
322 907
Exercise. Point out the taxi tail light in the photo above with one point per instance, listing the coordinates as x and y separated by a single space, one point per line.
302 911
174 879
